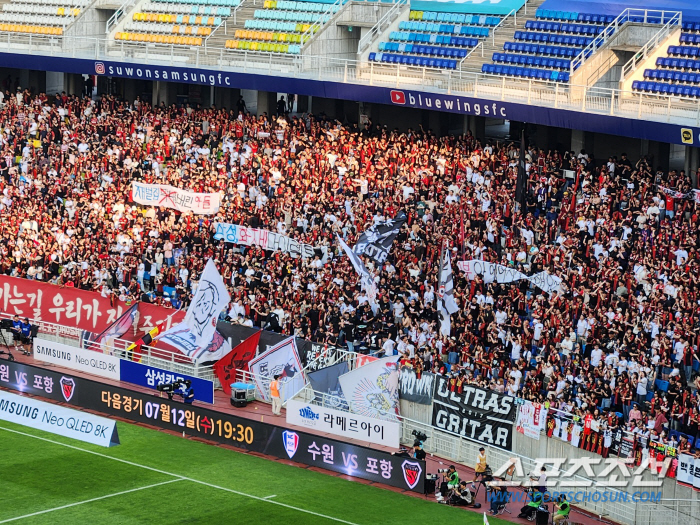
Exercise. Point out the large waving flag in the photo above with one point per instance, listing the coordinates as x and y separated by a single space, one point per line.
119 327
283 360
210 298
375 242
366 281
373 390
446 301
237 359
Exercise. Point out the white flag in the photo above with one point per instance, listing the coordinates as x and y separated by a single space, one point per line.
446 301
486 520
373 390
366 281
211 297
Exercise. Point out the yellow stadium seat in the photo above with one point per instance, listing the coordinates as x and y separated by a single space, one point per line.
237 34
135 18
117 36
186 19
210 21
176 29
61 11
266 4
253 46
188 30
198 41
198 20
234 44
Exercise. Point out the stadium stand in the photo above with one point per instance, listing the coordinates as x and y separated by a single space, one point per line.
432 39
40 17
282 26
678 73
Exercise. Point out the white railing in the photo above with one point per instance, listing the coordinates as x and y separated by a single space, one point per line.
384 22
320 22
661 35
513 12
489 87
116 17
644 16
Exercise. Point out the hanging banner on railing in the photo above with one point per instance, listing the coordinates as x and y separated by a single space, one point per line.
327 420
532 419
416 389
92 362
151 377
282 360
482 415
175 198
501 274
266 240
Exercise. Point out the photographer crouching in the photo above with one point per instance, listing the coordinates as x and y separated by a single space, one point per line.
449 483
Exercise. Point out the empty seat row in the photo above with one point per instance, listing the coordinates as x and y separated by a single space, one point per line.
290 16
146 27
36 30
266 25
159 39
178 19
444 28
691 26
152 7
539 49
308 7
408 60
672 76
666 89
266 36
689 38
38 20
527 36
420 49
678 63
58 3
557 27
425 38
263 46
530 60
457 18
222 3
40 9
526 72
684 51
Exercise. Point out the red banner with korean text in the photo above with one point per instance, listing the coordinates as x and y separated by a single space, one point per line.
74 309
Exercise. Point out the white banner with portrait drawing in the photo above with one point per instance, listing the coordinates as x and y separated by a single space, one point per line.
209 299
373 390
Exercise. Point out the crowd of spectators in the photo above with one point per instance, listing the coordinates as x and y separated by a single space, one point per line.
625 317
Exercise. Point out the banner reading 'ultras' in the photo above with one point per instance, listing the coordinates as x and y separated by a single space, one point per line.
254 436
476 413
343 424
58 420
175 198
89 361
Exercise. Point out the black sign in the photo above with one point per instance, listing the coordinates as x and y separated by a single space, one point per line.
482 415
376 241
416 390
254 436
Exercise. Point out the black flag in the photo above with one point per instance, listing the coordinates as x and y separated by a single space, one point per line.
521 184
376 241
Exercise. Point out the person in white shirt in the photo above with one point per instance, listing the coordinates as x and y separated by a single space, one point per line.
596 356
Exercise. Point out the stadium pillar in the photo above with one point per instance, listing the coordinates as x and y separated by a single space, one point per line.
267 103
160 93
55 82
692 160
477 125
303 104
578 140
226 98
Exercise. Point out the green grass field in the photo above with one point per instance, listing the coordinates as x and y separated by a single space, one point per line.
157 478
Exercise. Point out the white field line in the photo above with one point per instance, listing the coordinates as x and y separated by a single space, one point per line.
258 498
91 500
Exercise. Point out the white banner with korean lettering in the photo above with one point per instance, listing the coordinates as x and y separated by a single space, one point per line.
92 362
58 420
265 239
501 274
175 198
326 420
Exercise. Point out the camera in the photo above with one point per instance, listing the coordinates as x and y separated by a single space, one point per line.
442 470
172 388
420 436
